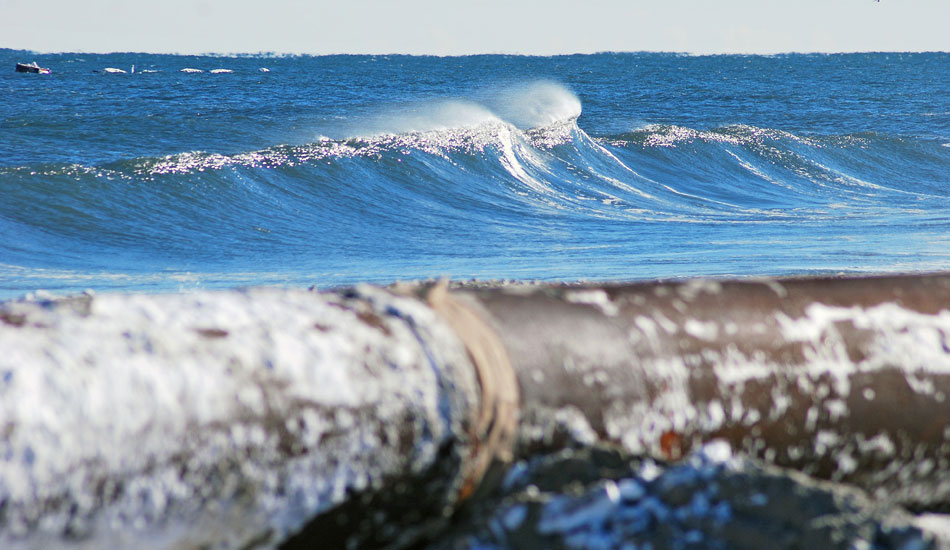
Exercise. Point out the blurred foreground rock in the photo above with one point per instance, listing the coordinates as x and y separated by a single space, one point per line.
596 498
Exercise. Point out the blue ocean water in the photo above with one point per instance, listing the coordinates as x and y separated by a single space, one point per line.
339 169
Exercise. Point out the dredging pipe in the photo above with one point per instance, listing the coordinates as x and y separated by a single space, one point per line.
363 417
846 379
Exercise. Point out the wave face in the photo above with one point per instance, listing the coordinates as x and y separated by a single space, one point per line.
334 170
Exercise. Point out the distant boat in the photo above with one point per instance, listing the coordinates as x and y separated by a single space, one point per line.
264 70
113 70
190 70
221 71
31 68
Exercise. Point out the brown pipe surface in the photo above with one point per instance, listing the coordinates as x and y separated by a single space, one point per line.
842 378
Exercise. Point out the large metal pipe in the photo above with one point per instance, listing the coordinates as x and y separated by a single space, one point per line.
229 420
362 417
845 379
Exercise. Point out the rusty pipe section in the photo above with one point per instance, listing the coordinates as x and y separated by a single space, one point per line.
846 379
362 417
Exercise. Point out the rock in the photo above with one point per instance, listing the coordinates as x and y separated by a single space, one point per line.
582 499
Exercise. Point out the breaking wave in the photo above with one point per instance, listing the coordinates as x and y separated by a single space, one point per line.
510 185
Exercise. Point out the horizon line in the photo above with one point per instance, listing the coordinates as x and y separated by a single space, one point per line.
270 53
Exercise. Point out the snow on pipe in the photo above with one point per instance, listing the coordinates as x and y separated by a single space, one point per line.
846 379
275 418
228 419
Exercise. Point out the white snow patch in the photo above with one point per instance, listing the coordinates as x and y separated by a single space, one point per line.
707 331
595 297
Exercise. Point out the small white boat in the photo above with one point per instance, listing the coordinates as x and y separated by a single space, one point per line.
264 70
113 70
221 71
190 70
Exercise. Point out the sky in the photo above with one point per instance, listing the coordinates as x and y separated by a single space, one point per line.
451 27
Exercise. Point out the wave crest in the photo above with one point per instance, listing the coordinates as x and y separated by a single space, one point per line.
536 105
527 106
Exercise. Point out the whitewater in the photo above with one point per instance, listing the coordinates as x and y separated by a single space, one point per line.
334 170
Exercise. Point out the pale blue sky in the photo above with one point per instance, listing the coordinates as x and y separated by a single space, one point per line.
478 26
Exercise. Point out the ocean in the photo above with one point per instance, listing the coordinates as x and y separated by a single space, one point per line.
332 170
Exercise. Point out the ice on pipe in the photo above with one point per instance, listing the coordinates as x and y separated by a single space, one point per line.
216 418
